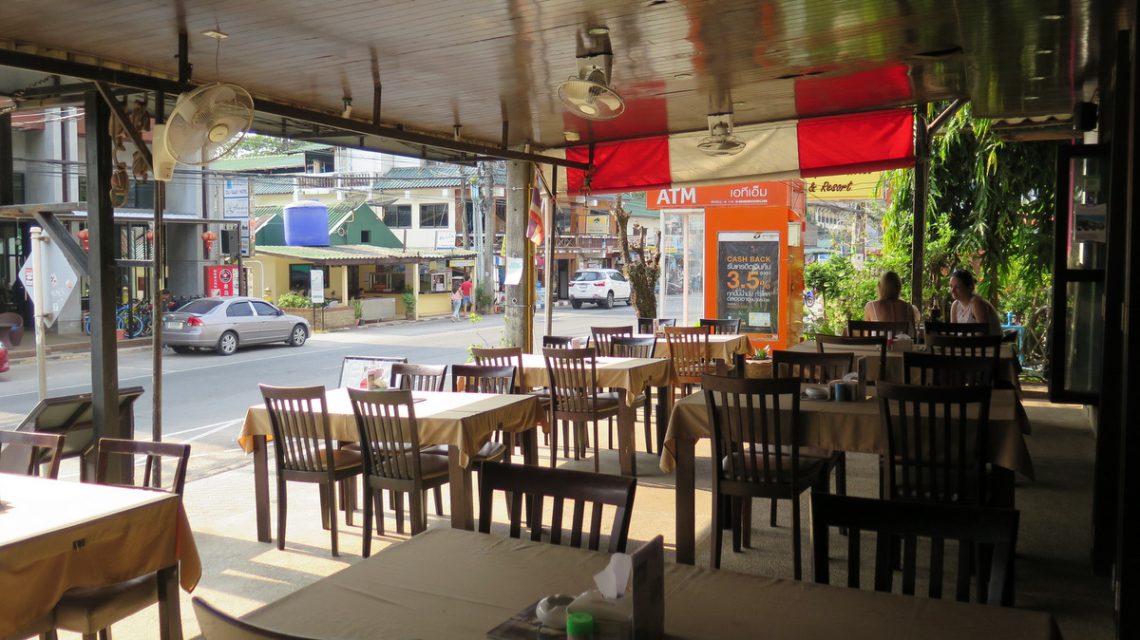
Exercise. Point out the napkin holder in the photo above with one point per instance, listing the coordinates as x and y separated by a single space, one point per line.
902 342
610 606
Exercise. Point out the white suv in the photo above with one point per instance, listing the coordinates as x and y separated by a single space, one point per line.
600 286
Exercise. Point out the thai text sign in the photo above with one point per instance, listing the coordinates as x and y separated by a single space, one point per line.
748 270
221 280
749 194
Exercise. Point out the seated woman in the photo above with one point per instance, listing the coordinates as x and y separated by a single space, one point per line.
968 307
888 308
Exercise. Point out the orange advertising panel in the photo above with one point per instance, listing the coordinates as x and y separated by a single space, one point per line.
750 194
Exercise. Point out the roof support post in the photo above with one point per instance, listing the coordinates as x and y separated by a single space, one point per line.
518 319
921 175
101 226
7 171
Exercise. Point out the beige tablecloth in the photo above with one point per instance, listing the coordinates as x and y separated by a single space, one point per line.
56 535
855 426
465 420
630 374
449 584
721 346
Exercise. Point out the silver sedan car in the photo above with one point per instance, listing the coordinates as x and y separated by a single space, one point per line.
223 324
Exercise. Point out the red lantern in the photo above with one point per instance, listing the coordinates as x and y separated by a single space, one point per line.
150 236
85 238
209 237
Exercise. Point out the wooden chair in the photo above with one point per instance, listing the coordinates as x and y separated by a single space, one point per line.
689 351
857 328
512 357
92 610
756 452
26 453
971 526
390 444
969 346
564 342
936 441
725 326
585 490
828 343
418 377
575 397
930 369
602 337
638 347
932 328
216 625
473 378
814 368
651 325
304 452
154 453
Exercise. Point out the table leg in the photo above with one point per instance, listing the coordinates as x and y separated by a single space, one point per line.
460 479
169 609
664 406
627 420
261 488
529 439
686 500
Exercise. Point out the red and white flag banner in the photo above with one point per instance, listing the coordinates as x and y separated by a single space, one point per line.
831 145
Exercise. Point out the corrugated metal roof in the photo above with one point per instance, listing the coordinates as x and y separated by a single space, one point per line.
284 161
272 186
434 176
363 254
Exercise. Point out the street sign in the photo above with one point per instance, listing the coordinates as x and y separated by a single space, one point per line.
244 233
60 278
221 280
235 199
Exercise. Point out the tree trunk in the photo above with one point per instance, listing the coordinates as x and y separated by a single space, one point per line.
642 270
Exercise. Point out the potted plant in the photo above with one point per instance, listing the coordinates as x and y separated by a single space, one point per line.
409 304
358 311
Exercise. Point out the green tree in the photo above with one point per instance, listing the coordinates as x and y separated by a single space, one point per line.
255 145
990 209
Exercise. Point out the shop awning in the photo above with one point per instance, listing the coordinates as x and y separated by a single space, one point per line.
791 149
358 254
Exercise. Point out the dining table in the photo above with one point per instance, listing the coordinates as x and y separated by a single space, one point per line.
1007 371
853 426
632 376
722 346
446 583
57 535
462 421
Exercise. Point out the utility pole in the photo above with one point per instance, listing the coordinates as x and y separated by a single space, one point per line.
486 279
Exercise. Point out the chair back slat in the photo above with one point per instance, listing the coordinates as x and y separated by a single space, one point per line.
689 351
722 326
573 379
966 346
633 347
652 325
418 377
930 369
891 521
585 490
959 329
812 368
563 342
154 453
26 452
755 425
936 442
857 328
601 338
388 433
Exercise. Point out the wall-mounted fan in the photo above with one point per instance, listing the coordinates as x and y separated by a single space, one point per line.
207 123
720 141
588 94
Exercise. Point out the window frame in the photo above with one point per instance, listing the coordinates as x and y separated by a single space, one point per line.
434 207
393 213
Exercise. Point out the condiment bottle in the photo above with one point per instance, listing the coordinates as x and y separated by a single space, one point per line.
579 626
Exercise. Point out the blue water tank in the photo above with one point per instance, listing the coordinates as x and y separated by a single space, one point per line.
306 224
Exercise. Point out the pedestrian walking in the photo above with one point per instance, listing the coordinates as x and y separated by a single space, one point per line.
456 302
465 289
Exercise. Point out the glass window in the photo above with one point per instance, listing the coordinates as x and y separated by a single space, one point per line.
398 215
433 215
587 276
365 236
617 276
263 308
239 310
299 278
200 307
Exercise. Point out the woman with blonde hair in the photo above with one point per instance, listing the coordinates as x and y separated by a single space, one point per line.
889 308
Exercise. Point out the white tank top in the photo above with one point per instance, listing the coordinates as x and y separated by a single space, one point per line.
963 314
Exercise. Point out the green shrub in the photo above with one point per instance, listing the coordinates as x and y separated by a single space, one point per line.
409 302
293 300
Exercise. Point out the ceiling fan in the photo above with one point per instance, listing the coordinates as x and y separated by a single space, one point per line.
588 94
720 141
207 123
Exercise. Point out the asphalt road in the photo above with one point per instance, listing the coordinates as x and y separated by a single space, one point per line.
205 395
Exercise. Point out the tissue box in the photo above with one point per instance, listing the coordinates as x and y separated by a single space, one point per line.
613 619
